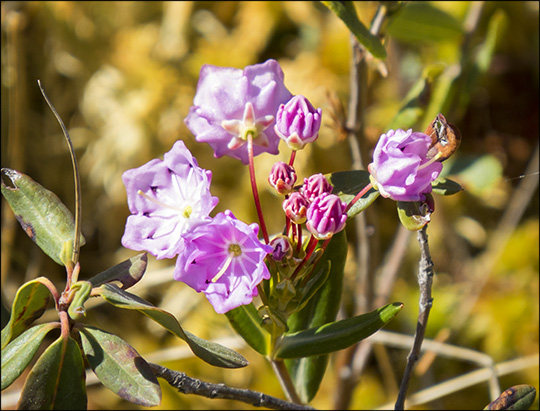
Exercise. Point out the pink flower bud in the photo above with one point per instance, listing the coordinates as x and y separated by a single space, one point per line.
282 177
298 122
315 186
326 216
295 207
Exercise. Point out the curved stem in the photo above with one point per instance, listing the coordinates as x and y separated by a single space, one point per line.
254 189
358 196
285 380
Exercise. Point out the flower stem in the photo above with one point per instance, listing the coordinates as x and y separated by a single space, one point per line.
358 196
293 156
309 250
285 380
254 189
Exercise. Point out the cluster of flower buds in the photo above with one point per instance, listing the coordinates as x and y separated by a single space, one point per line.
313 204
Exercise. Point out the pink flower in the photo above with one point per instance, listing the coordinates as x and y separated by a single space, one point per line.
167 198
225 260
231 104
400 169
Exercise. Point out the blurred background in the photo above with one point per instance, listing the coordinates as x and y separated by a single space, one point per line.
122 76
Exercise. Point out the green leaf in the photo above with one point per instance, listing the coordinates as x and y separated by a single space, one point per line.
322 308
335 336
19 352
247 322
478 174
128 272
445 186
29 304
422 23
317 279
414 104
120 368
496 28
518 397
211 352
349 183
42 215
57 380
347 13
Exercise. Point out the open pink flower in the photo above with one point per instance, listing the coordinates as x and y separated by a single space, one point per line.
167 198
231 103
400 169
225 260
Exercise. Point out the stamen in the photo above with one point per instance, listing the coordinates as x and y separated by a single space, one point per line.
228 262
431 161
234 251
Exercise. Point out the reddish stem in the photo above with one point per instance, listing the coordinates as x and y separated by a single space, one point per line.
358 196
309 250
298 237
254 189
293 156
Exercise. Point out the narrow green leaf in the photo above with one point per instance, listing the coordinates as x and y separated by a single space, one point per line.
518 397
57 380
42 215
120 368
128 272
19 352
347 13
322 308
29 304
349 183
422 22
445 186
248 324
335 336
497 26
211 352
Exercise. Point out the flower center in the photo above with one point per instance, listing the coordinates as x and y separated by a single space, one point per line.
249 125
234 251
186 212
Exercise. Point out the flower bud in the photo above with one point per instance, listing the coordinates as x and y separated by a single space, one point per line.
295 207
315 186
326 216
282 247
282 177
298 122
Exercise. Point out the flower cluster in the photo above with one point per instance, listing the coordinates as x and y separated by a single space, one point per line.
241 114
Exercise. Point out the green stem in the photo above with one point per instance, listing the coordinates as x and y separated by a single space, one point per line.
285 380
